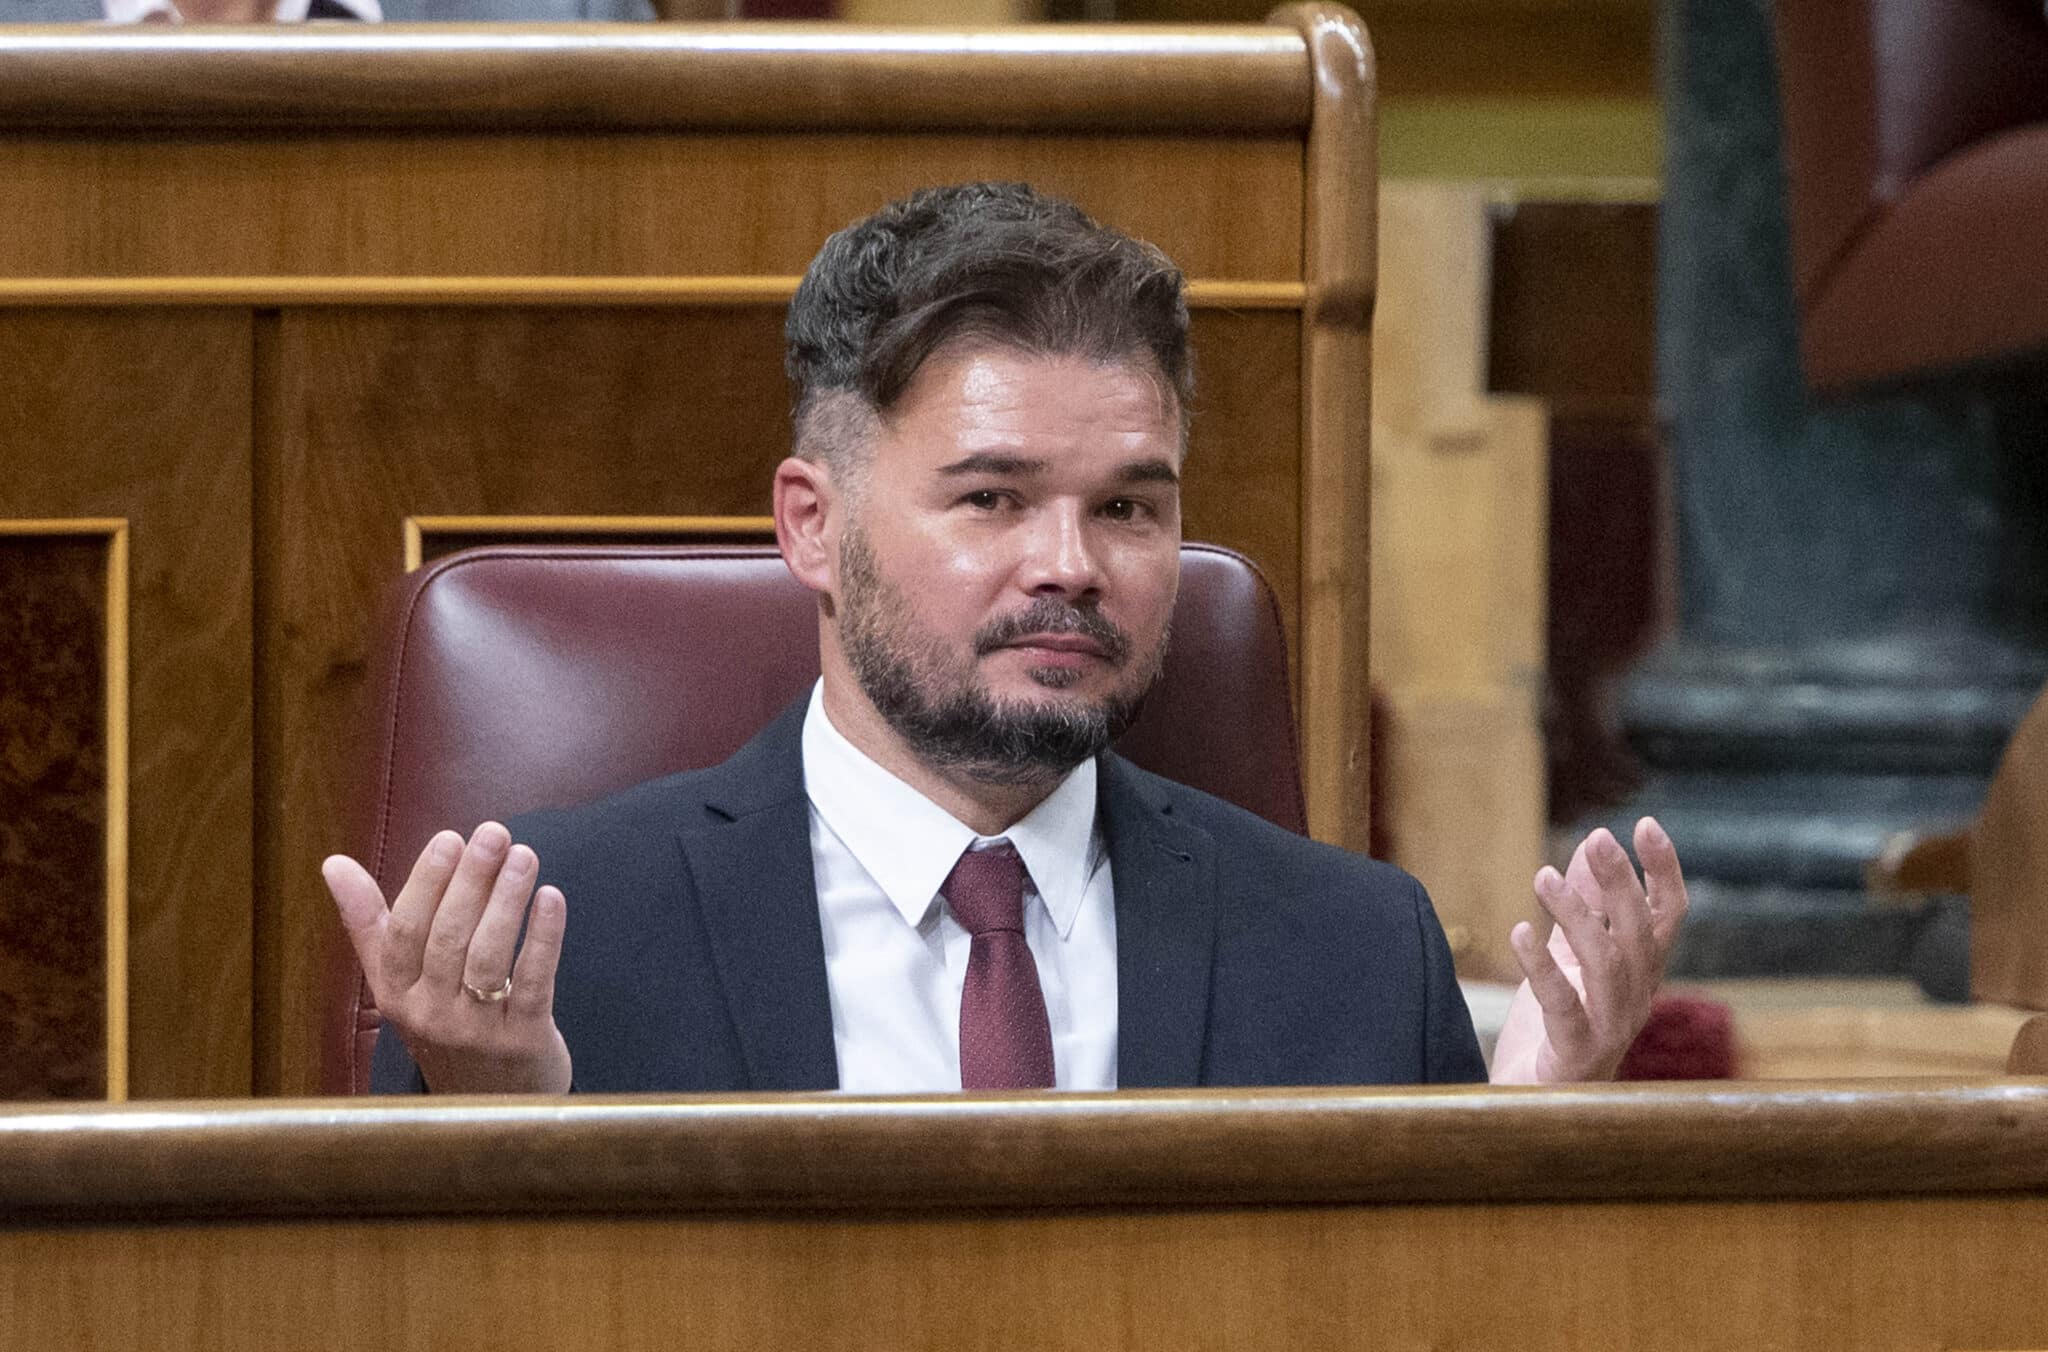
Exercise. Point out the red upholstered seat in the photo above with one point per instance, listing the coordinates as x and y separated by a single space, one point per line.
525 677
1916 146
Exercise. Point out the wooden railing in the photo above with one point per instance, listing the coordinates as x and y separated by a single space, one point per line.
1818 1215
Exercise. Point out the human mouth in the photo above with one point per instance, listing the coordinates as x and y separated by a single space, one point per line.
1077 645
1050 634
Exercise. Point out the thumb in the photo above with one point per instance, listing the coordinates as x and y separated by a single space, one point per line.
361 903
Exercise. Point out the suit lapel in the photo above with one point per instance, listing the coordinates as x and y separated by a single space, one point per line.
758 895
1165 881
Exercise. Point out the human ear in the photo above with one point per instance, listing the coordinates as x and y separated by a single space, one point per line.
806 521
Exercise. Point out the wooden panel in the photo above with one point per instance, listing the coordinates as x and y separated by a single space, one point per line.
1824 1216
55 904
431 537
377 416
1243 480
591 204
145 415
1869 1276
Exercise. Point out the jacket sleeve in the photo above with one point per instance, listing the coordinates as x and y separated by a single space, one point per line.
1451 1052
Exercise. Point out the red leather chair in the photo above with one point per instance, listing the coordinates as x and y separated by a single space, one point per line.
1916 146
524 677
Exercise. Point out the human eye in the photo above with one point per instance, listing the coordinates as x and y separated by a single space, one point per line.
986 499
1127 509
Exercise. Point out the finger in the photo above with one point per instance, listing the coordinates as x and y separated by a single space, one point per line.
533 978
1563 1014
412 911
1582 926
1560 947
462 905
1667 899
1622 900
489 959
363 912
1579 873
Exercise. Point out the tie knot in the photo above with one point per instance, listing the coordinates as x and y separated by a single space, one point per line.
986 890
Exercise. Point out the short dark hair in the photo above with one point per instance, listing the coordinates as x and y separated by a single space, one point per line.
997 261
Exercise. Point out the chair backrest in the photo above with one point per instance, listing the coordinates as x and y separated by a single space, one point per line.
524 677
1916 147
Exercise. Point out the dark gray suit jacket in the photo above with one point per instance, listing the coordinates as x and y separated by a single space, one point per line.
1246 955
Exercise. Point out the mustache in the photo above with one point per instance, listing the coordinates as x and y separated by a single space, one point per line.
1047 616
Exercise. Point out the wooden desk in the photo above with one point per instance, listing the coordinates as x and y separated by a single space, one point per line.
1815 1215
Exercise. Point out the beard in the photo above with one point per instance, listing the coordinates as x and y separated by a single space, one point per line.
941 709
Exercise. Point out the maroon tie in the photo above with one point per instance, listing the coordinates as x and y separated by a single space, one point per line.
1005 1039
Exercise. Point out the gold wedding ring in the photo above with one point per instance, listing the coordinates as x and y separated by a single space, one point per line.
491 996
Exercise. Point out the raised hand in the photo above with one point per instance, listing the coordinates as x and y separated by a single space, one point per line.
1589 989
440 961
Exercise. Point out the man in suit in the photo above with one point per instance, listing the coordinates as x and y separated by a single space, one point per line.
933 873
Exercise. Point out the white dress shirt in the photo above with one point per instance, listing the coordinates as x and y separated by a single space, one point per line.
896 960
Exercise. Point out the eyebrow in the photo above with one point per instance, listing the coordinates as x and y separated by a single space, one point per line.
988 462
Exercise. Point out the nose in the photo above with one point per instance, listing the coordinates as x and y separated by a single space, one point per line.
1061 560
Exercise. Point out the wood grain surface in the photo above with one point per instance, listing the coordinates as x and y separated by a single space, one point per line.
458 203
431 537
773 1153
1339 252
812 78
1858 1276
1820 1216
146 415
53 814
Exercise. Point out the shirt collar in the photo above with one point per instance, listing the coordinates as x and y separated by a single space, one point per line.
908 844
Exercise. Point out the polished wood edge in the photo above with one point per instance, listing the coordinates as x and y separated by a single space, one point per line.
415 529
1339 249
82 525
505 291
1180 1149
114 530
755 76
